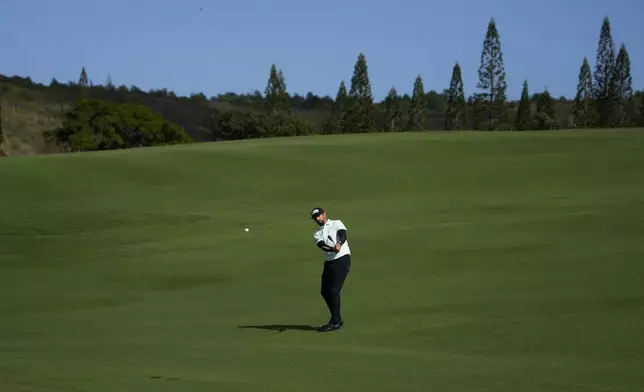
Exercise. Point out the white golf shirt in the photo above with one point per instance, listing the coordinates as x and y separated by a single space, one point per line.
330 228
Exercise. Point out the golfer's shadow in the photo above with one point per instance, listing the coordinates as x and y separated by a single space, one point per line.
281 327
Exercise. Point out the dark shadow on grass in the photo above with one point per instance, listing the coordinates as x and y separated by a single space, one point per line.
281 327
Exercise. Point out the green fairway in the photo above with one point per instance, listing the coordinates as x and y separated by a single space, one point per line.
481 262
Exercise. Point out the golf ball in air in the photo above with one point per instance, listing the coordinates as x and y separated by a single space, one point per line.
246 229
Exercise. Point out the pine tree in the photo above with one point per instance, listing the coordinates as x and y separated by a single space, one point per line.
282 90
622 84
456 114
583 112
361 110
393 114
523 119
604 69
339 111
418 112
83 81
546 116
109 83
276 100
546 104
491 74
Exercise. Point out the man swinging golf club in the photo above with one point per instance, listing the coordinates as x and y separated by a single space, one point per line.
331 238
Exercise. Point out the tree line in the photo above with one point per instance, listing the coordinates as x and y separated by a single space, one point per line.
604 98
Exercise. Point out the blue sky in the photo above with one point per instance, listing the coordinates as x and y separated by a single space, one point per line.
229 46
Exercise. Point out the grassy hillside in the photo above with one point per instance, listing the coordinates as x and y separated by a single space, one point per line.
24 124
30 108
482 262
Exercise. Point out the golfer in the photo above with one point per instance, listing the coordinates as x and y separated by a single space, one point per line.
331 238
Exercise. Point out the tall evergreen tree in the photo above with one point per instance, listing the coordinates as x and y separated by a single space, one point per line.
361 111
83 80
546 104
456 114
393 114
276 100
418 112
491 75
523 119
546 116
339 111
604 69
583 111
83 83
282 89
622 85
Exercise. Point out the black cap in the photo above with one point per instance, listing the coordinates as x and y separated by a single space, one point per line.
316 211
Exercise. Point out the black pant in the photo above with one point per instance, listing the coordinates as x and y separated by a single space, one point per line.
333 276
